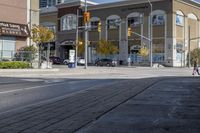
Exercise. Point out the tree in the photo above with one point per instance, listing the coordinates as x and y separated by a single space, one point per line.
106 48
41 35
26 53
195 54
143 52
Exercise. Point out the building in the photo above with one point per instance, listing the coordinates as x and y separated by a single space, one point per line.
16 18
175 28
50 18
49 3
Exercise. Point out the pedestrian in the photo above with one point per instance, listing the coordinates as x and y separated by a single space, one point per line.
196 67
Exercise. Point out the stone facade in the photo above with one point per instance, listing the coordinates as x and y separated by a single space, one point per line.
170 20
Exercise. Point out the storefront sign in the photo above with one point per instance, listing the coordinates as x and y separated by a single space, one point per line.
13 29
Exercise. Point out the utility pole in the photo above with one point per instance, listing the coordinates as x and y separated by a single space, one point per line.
151 35
189 54
86 36
77 32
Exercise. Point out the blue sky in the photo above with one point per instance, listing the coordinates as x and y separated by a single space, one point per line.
103 1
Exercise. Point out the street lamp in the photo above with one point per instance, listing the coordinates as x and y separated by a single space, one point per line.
151 36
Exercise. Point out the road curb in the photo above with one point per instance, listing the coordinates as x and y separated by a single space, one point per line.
29 70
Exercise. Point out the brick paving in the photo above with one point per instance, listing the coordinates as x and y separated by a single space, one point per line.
74 112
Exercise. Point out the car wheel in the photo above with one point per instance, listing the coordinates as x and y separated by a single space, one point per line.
108 65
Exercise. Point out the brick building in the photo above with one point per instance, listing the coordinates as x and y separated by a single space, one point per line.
16 17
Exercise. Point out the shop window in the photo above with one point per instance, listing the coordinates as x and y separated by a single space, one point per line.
7 47
68 22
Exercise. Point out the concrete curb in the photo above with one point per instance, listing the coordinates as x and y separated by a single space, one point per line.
29 70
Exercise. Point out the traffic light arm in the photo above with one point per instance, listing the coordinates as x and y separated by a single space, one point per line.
194 38
142 36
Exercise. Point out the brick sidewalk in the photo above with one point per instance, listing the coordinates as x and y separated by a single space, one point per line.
73 112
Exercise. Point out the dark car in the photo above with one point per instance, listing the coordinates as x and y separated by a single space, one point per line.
55 60
106 62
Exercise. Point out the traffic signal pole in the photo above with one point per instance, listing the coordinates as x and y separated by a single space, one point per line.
86 36
77 30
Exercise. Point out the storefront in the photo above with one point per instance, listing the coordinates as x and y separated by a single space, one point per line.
12 37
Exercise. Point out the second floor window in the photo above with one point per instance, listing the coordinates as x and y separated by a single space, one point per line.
113 24
68 22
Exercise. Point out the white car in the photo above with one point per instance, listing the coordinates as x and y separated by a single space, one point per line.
81 61
66 61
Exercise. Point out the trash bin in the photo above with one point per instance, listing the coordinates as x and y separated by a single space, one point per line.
121 62
71 65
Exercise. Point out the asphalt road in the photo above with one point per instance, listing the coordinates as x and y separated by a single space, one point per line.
148 105
16 93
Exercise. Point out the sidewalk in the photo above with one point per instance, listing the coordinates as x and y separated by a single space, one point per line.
153 105
63 71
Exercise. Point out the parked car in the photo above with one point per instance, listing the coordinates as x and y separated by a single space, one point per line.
55 60
81 61
66 61
106 62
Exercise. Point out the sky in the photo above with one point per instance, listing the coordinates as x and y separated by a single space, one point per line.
104 1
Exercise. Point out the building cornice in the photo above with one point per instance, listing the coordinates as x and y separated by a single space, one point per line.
190 3
119 4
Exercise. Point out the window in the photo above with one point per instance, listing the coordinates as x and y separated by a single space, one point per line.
52 28
68 22
7 47
158 20
113 24
134 21
179 20
94 25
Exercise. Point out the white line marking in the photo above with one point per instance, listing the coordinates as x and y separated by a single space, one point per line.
30 88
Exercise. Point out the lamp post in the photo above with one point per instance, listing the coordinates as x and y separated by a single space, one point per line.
86 36
77 32
151 36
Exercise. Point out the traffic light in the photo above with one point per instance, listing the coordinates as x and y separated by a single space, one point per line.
129 31
86 17
99 27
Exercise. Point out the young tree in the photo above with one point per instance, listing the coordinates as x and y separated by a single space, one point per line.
41 35
195 54
106 48
143 52
27 53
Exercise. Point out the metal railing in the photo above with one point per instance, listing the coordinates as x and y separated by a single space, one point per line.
8 55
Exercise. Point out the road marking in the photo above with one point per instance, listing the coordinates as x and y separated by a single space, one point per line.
30 88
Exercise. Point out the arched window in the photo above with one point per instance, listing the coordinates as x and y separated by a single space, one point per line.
179 18
158 17
68 22
94 21
192 16
113 22
134 19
